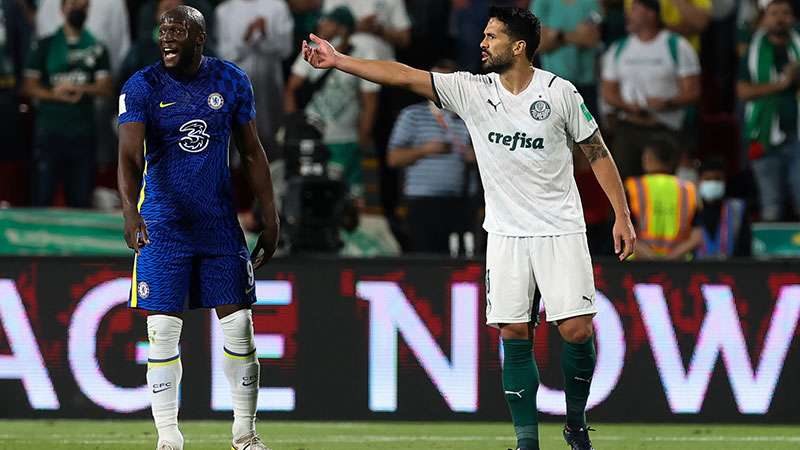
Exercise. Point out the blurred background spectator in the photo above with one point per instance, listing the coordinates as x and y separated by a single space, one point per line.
570 37
768 82
384 23
257 36
434 148
65 71
344 105
649 77
663 207
723 219
109 23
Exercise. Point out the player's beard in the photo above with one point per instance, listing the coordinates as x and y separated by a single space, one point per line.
498 63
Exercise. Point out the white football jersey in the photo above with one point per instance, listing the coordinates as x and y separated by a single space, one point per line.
523 146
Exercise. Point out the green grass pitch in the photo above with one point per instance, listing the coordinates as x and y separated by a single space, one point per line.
208 435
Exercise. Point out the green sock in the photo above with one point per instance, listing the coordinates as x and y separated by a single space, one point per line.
577 362
520 383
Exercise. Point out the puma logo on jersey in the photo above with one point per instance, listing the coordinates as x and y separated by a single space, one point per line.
517 393
518 140
164 105
489 101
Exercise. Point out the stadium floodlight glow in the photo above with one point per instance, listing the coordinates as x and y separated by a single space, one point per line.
269 346
83 349
390 314
610 336
721 332
25 362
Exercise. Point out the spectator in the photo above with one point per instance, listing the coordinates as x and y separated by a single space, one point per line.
613 27
384 23
147 18
768 82
434 147
345 105
686 17
649 77
107 21
468 21
723 220
663 207
145 50
430 40
306 14
570 35
64 72
257 36
14 30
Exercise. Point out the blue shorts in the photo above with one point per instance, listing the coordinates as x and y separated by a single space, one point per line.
169 276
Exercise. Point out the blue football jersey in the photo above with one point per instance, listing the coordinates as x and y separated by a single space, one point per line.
186 189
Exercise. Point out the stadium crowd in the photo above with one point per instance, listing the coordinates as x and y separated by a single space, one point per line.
699 99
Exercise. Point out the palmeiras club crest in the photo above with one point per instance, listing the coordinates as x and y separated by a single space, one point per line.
540 110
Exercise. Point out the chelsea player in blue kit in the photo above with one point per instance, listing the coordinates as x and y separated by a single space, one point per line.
176 118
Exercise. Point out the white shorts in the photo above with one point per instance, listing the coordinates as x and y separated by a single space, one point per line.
559 267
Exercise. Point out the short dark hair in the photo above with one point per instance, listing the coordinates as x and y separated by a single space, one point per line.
664 150
521 25
714 163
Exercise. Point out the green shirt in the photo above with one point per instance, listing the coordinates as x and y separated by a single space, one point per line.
54 60
570 62
787 99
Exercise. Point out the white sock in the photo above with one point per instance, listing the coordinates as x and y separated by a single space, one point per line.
164 371
242 369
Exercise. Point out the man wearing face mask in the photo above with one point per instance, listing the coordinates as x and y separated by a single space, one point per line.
63 74
723 220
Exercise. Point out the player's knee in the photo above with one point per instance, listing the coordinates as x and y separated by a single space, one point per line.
163 334
515 331
577 332
237 329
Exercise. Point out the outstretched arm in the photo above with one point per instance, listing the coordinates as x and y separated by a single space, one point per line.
387 73
607 175
256 170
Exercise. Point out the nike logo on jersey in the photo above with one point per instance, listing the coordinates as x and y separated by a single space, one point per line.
590 300
250 383
164 105
518 393
582 379
489 101
156 391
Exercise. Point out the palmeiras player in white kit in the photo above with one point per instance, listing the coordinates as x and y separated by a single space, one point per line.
524 123
176 118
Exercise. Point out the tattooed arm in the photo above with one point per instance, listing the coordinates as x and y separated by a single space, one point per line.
607 175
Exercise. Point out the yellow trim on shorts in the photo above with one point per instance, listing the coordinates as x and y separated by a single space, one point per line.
144 180
134 291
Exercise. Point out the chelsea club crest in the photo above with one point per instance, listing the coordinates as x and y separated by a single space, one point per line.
143 289
540 110
215 100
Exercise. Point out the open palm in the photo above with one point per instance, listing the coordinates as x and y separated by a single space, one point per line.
323 56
